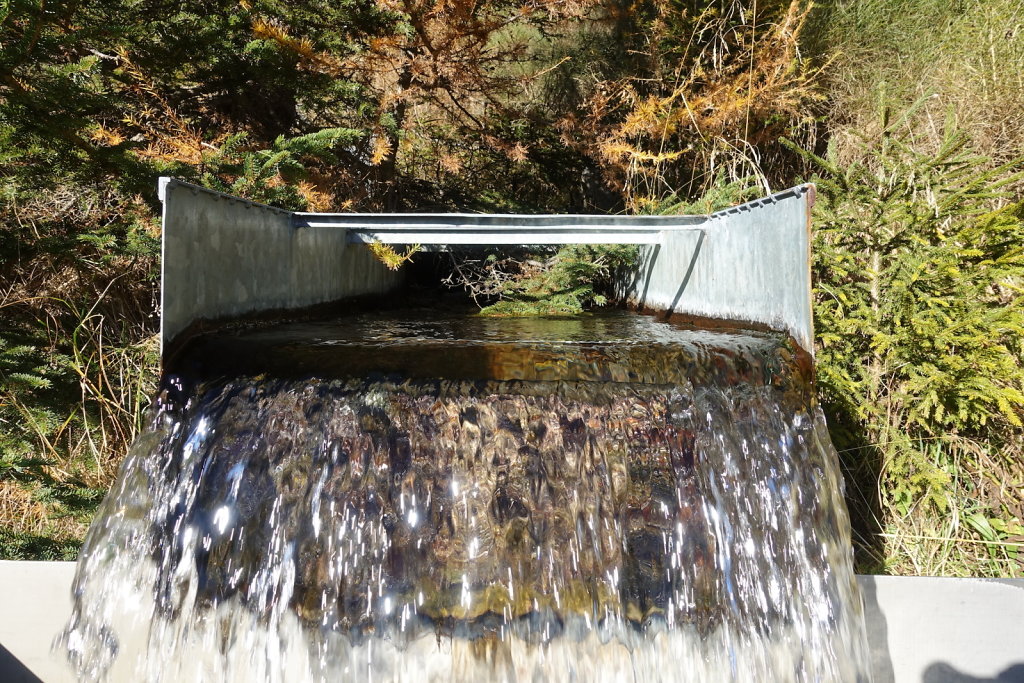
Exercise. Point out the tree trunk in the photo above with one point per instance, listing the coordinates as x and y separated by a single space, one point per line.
388 175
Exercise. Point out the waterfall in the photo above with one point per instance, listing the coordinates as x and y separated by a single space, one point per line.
423 496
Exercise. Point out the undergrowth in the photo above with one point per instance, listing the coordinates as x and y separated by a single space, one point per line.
77 370
577 277
918 269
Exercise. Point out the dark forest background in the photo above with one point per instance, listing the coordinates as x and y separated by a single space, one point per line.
909 114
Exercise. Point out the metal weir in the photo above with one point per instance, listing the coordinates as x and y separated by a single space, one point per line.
226 257
497 229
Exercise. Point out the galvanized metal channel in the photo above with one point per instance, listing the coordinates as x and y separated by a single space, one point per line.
225 257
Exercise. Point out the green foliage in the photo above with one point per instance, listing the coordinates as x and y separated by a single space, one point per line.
22 546
918 277
919 320
31 382
577 277
271 175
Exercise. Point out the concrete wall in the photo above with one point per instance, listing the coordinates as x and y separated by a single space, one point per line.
921 630
936 630
224 257
35 603
750 263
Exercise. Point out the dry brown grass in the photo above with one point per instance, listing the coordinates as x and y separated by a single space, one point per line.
21 512
738 84
966 60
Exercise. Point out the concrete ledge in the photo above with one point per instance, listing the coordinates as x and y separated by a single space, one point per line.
36 599
921 630
935 630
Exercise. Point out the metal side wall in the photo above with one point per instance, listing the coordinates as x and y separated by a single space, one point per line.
226 257
750 263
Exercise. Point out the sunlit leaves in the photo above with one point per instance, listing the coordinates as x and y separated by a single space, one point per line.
917 267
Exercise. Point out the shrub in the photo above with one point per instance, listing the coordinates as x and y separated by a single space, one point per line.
918 268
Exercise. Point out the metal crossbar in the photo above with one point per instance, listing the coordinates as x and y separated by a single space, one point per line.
485 230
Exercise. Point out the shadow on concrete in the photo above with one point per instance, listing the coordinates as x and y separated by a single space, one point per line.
878 632
941 672
13 671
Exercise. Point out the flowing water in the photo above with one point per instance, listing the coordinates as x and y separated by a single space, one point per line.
601 498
